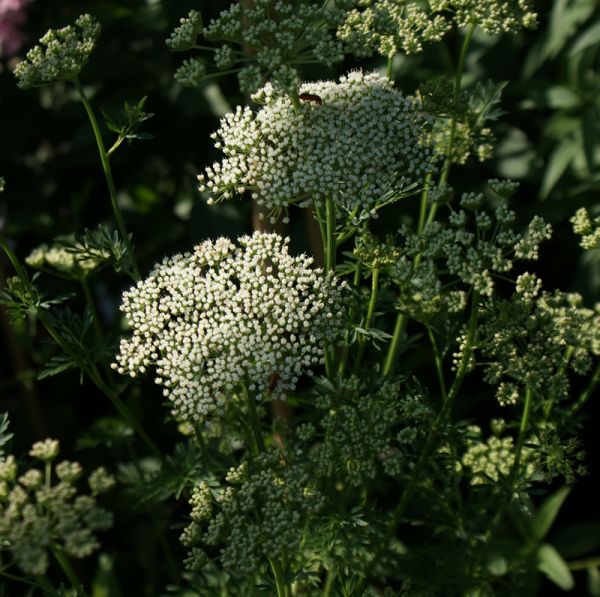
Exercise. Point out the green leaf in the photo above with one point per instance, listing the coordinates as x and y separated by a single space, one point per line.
551 563
590 37
559 96
578 540
56 365
547 513
5 435
593 581
557 165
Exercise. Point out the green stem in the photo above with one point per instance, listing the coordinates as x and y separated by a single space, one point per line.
394 347
453 122
431 441
107 170
389 66
330 250
44 585
278 576
438 362
62 559
330 579
346 347
439 422
456 96
552 394
330 232
47 475
593 562
259 442
583 397
259 446
400 325
321 220
127 415
89 299
370 310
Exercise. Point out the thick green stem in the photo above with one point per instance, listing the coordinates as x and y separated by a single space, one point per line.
367 323
107 170
278 576
64 563
392 354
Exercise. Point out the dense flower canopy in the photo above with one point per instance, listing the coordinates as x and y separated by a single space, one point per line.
357 140
226 315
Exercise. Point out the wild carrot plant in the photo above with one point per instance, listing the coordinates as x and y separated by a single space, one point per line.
399 413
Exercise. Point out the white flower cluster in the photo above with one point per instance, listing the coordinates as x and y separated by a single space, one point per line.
226 315
355 140
61 55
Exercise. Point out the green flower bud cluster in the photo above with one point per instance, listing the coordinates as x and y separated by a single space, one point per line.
184 37
524 342
471 248
356 432
42 508
488 461
276 35
362 432
374 254
386 27
61 55
258 514
586 227
190 73
65 262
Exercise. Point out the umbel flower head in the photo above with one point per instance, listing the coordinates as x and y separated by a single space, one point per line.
356 140
42 508
387 27
225 315
61 55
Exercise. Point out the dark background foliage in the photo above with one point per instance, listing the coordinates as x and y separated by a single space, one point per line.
548 139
